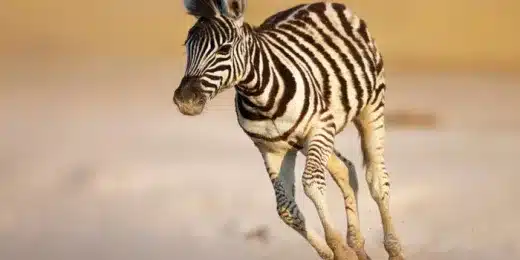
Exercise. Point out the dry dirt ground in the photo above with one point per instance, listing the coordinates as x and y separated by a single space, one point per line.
96 163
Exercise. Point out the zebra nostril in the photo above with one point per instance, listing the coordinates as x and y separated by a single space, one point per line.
176 94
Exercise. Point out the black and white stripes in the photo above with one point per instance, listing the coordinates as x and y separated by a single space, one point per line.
300 78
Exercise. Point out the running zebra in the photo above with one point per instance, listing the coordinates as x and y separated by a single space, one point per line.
299 77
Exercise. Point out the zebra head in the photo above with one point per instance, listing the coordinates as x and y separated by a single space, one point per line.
215 49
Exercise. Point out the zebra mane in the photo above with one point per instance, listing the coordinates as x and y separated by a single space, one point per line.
211 8
202 8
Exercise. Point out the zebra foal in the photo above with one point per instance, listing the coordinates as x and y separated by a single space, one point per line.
300 77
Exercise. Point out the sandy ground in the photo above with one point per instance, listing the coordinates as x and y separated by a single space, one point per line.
96 163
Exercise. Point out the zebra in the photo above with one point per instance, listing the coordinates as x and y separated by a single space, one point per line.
300 77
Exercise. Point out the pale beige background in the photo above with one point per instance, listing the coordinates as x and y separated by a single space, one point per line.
454 33
96 162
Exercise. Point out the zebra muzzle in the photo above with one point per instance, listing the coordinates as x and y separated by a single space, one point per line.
189 99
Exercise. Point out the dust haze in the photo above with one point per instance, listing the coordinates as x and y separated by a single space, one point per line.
99 164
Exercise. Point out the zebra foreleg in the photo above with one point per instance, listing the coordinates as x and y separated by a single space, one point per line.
280 166
319 149
344 173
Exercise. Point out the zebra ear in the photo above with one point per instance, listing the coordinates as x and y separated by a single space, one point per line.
232 8
202 8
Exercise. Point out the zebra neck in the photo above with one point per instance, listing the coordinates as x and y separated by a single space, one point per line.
259 82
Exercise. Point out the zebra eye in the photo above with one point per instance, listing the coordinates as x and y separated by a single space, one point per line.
224 49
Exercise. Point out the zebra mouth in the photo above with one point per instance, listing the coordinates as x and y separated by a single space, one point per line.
190 110
192 107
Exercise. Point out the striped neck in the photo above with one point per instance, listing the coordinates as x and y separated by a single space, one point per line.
257 69
267 76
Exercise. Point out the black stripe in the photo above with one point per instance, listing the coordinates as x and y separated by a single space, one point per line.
363 32
333 63
379 90
288 81
244 112
353 50
279 17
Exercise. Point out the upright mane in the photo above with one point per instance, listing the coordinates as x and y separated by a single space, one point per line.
202 8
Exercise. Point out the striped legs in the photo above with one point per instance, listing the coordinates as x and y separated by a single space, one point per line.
370 125
281 172
344 174
318 150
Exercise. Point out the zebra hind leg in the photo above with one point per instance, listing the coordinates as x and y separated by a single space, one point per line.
344 174
280 167
319 149
371 128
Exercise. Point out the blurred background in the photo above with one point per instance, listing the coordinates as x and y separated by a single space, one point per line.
96 162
